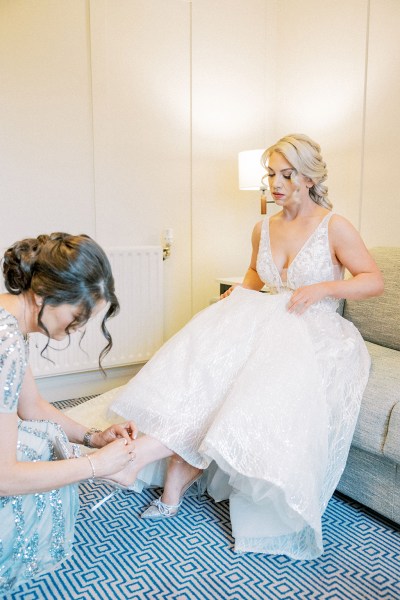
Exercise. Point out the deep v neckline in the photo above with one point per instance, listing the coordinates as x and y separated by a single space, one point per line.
307 241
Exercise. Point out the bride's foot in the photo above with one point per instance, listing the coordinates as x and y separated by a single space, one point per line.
123 479
180 476
147 450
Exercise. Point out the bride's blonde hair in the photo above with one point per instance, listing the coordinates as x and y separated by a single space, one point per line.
305 157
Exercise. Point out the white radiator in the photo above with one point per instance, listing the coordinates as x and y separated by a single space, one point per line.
137 331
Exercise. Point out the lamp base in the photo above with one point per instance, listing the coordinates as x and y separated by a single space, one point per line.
263 204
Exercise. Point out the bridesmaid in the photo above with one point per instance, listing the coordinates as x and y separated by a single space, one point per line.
55 285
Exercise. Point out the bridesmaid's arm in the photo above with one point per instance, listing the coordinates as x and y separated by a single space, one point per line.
33 477
33 406
29 477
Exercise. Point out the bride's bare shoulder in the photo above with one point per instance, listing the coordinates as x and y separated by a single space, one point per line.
256 234
339 225
258 225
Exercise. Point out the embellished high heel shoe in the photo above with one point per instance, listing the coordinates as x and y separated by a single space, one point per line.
160 510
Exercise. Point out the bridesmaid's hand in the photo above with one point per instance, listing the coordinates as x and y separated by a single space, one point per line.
305 296
113 457
127 431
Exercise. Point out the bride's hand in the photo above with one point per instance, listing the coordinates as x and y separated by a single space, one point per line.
305 296
228 291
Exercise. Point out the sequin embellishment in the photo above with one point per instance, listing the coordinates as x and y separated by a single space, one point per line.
36 530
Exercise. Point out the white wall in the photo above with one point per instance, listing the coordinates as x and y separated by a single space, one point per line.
320 79
122 118
231 103
140 53
125 118
46 140
338 67
179 89
380 214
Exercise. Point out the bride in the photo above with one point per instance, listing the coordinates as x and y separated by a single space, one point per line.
265 389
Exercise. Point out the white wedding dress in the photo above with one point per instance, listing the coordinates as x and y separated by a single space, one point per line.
268 400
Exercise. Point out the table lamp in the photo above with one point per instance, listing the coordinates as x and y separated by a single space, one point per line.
251 173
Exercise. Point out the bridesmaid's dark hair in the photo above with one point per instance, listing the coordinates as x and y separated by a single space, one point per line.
63 269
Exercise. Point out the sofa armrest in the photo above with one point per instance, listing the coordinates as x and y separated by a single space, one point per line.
391 449
381 396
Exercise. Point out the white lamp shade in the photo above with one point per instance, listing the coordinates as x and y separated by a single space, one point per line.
250 170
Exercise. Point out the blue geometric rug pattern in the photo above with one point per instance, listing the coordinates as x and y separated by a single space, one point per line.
119 556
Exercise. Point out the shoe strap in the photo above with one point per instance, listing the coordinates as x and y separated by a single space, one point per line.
100 502
166 509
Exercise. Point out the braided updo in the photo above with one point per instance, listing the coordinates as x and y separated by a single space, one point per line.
19 261
63 269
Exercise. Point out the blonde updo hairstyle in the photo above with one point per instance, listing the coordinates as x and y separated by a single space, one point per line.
305 157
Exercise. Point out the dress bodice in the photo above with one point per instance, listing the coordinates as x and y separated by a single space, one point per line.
312 264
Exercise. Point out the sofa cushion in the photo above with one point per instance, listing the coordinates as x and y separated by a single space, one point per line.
381 395
377 319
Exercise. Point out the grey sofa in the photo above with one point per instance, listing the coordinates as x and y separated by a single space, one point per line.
372 473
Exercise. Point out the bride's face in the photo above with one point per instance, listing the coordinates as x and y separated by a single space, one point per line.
286 185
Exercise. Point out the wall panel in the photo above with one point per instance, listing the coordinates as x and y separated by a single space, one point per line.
45 118
141 100
320 87
380 217
233 92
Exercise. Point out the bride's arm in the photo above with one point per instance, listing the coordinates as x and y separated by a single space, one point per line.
351 252
251 279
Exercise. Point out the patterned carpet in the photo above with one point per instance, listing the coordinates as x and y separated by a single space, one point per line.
117 555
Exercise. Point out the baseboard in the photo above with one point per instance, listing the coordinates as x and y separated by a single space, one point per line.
75 385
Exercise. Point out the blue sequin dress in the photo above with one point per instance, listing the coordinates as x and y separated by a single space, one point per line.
36 530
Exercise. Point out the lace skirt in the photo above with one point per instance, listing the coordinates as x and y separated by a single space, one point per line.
267 401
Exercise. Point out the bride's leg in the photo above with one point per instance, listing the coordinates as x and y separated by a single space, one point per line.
147 450
179 476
